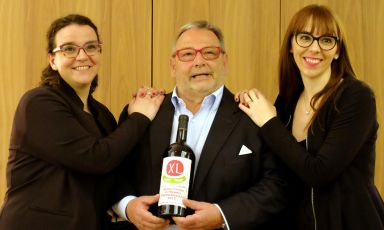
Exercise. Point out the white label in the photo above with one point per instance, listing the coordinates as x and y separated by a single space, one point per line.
174 182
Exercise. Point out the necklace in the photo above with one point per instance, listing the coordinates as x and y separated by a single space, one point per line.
307 110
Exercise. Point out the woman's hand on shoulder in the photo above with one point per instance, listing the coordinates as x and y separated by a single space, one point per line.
146 101
239 96
256 106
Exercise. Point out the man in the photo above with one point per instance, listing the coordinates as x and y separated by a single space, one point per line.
237 184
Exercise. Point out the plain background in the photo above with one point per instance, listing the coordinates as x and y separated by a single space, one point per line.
137 36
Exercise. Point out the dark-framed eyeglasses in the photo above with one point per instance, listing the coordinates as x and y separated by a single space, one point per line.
208 53
326 42
72 50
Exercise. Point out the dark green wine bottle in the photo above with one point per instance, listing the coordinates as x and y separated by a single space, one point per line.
177 174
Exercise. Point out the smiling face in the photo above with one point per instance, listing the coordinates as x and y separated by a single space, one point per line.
198 77
312 61
79 71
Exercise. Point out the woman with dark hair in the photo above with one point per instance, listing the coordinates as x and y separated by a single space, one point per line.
65 144
325 127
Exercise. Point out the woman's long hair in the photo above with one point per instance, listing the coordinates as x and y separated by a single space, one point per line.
323 21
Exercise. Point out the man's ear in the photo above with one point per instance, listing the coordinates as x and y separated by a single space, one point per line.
172 65
51 59
225 59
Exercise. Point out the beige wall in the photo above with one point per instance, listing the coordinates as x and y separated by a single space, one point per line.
137 37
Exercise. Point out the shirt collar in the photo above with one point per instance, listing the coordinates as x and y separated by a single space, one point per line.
212 99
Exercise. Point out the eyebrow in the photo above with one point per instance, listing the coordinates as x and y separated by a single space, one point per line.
191 47
72 43
326 34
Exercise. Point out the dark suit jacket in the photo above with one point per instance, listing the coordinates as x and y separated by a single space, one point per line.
58 172
335 172
248 188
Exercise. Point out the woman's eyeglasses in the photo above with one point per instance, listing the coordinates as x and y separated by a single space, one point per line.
326 42
71 50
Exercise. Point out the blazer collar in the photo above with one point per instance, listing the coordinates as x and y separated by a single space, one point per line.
225 121
70 93
74 100
160 133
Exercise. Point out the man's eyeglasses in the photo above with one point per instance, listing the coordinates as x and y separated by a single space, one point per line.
71 50
326 42
208 53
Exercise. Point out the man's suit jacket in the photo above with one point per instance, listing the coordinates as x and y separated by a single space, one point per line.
59 168
248 188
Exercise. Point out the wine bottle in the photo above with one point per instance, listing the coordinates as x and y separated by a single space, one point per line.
177 174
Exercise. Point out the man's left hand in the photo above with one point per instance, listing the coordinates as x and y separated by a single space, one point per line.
206 216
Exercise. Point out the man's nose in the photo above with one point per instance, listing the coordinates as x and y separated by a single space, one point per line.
199 59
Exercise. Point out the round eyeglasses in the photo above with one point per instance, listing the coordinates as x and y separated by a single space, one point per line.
326 42
71 50
189 54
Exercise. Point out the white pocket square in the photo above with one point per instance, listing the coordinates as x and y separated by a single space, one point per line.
244 150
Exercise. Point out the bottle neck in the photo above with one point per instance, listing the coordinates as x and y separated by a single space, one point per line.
182 129
181 135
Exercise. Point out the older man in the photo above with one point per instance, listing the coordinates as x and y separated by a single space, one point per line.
237 182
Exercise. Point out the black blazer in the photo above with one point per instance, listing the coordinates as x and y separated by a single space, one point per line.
60 161
335 170
248 188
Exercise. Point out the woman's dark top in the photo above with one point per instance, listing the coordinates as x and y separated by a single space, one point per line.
61 160
335 167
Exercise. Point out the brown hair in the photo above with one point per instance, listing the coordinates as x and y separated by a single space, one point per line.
49 76
323 21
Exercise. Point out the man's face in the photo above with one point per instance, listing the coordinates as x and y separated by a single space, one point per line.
198 77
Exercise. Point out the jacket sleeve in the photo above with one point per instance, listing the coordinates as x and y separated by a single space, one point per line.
47 128
351 126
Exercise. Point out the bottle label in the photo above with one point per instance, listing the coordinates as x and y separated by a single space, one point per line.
174 184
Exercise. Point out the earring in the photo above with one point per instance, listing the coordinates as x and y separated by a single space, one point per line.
336 57
54 68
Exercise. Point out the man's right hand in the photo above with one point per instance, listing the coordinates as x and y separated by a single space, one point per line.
137 213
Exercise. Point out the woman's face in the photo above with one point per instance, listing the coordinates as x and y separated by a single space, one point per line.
313 61
80 70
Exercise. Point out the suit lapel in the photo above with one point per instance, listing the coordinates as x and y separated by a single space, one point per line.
160 134
225 121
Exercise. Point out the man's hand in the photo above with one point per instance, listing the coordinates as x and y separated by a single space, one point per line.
206 216
137 212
